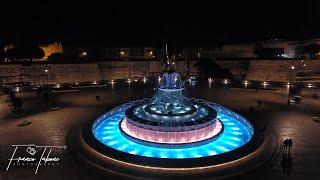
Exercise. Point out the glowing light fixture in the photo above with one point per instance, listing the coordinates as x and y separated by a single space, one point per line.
83 54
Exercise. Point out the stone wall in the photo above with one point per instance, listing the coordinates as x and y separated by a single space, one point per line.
42 74
10 73
280 70
239 69
122 70
269 71
260 70
37 74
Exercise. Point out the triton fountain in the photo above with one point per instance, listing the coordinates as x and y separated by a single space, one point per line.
169 134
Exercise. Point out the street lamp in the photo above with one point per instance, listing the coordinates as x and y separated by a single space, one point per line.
265 84
245 83
84 54
47 75
290 83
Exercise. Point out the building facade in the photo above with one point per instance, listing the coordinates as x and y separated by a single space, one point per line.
111 53
285 49
282 49
49 49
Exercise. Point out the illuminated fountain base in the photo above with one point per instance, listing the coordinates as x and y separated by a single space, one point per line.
171 138
170 135
231 131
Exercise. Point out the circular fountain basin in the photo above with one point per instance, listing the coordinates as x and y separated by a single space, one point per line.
237 132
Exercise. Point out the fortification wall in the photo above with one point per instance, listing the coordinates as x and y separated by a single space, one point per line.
260 70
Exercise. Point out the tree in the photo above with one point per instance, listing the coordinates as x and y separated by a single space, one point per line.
57 57
267 52
47 94
1 56
311 49
208 68
17 103
2 53
244 65
25 52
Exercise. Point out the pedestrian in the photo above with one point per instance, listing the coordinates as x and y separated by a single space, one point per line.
251 109
97 98
286 162
259 104
290 142
289 166
285 147
316 96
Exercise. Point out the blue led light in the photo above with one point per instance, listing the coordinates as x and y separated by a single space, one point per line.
237 132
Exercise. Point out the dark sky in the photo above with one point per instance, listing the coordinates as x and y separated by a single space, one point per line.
192 23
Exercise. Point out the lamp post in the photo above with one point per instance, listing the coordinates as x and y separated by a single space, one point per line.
47 75
290 83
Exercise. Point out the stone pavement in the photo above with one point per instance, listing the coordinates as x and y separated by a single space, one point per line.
52 127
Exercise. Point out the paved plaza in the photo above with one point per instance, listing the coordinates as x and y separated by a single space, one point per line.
52 127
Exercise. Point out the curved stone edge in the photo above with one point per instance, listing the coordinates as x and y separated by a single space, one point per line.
83 152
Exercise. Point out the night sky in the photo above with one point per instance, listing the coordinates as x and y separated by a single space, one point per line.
192 23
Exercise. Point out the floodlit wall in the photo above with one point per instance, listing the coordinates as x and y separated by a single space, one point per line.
37 74
280 70
260 70
9 73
